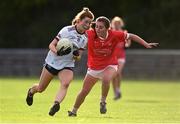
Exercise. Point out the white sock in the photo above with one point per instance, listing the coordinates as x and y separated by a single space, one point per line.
74 110
118 91
103 99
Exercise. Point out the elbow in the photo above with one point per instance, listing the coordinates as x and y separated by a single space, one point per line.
133 37
50 46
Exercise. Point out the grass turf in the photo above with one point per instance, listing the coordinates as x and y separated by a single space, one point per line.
142 102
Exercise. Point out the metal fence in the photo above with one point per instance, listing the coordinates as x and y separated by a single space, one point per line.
140 64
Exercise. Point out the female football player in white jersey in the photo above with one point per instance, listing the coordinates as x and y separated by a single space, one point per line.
61 62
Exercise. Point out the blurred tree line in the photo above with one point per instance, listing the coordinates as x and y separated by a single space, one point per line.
34 23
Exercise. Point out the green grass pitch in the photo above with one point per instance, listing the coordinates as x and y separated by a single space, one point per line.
142 102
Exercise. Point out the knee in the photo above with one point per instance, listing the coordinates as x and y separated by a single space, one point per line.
106 80
65 85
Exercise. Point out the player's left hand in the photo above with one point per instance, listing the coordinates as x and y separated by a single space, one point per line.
76 55
151 45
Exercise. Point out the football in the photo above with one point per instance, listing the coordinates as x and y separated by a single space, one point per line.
64 43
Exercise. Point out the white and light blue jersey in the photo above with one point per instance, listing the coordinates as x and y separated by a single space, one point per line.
79 40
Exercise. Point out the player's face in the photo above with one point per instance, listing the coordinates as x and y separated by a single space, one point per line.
100 28
85 23
116 26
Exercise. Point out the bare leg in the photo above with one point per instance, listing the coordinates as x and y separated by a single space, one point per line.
89 82
45 79
65 77
108 75
117 82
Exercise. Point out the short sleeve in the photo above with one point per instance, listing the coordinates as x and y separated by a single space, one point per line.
62 33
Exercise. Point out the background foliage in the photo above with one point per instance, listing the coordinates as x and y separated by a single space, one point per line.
34 23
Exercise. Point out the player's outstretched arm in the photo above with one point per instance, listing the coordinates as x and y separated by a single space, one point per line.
139 40
52 46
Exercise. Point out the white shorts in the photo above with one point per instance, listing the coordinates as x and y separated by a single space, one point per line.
99 73
121 61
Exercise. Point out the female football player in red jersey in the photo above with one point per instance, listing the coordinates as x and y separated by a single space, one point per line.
102 60
117 24
61 63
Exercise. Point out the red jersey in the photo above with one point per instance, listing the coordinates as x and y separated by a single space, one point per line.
120 50
102 53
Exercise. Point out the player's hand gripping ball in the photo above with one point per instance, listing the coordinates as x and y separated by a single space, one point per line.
64 47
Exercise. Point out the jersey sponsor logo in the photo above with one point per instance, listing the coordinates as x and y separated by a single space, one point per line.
72 37
103 44
102 52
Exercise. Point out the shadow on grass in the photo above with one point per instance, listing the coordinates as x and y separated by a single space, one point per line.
105 116
143 101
